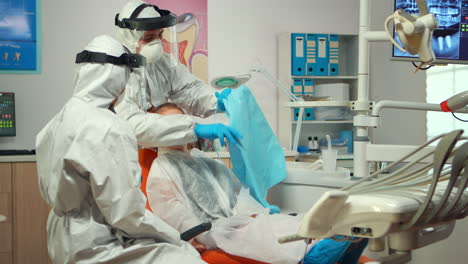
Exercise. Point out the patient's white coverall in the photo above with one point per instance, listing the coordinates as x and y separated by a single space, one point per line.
90 177
186 189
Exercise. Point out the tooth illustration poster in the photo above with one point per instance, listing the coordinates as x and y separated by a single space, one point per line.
192 33
451 17
19 49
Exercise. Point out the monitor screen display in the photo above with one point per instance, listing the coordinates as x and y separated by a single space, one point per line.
7 115
450 39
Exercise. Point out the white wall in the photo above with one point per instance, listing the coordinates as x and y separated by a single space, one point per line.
240 31
66 28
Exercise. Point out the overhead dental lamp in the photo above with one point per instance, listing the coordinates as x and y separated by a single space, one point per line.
230 81
414 31
234 81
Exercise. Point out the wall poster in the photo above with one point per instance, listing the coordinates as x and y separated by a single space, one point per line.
19 36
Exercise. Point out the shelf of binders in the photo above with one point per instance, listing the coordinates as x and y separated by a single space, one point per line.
316 65
325 122
322 55
325 77
318 103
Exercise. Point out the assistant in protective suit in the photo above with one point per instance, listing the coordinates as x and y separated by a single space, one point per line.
90 177
140 29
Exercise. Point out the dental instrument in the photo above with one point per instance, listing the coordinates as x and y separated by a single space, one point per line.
458 102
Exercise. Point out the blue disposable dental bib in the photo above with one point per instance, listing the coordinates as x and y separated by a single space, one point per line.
258 161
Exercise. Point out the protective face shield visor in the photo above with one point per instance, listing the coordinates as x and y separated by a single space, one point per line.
160 36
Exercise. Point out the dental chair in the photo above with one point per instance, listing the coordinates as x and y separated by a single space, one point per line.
146 158
409 208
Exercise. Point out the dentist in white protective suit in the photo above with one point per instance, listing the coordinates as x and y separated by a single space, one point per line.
90 177
141 28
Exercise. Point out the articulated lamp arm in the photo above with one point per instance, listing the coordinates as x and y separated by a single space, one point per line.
414 32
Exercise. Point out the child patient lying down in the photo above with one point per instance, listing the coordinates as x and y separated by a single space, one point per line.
186 188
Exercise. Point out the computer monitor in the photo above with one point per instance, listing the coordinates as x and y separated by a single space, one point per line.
7 115
450 39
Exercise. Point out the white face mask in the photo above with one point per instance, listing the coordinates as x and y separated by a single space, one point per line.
152 51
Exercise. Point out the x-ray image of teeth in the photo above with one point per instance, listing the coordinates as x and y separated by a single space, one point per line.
446 38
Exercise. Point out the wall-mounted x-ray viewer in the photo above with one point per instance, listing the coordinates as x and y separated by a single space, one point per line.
450 39
7 115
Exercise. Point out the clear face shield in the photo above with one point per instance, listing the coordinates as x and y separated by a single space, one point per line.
159 38
171 44
158 44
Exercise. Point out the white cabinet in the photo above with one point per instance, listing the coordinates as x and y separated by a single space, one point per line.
346 73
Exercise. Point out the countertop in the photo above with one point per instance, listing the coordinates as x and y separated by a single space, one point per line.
18 158
32 158
225 154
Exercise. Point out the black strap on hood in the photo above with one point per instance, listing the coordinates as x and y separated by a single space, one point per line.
167 19
128 59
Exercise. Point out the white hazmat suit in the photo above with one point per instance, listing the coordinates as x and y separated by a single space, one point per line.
165 80
90 177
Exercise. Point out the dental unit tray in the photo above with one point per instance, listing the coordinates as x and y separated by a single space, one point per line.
413 206
368 216
305 172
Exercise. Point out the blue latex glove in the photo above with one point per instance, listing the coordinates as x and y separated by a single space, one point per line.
326 251
221 96
218 131
354 251
329 251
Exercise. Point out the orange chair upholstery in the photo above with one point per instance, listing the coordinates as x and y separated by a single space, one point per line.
146 158
220 257
363 259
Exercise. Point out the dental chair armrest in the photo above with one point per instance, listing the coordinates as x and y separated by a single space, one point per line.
195 231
